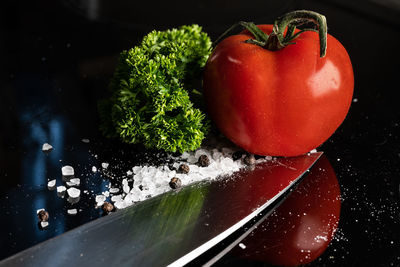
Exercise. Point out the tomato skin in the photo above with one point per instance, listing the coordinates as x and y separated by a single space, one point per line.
278 103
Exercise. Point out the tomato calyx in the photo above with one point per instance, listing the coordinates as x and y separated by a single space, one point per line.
278 39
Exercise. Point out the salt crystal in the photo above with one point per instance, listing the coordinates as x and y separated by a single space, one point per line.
51 183
94 169
100 198
126 189
129 173
114 190
67 171
119 204
44 224
104 165
136 169
85 140
116 198
61 189
124 182
74 192
72 211
242 246
106 193
185 155
47 147
75 181
191 159
128 199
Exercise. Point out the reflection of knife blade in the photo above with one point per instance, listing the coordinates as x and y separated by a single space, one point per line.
173 228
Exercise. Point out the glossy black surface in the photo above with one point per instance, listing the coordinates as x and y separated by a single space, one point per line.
56 60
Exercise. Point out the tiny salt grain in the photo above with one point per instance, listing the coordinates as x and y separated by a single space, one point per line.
104 165
74 192
175 183
67 171
94 169
75 181
72 211
242 246
129 173
119 205
106 193
114 190
51 184
85 140
204 161
100 198
116 198
44 224
47 147
126 189
61 189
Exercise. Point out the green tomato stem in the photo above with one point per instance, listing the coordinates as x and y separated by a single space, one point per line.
278 39
290 21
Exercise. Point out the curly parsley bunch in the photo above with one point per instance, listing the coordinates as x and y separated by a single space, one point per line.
150 88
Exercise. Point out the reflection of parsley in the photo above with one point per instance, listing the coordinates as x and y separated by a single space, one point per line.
150 91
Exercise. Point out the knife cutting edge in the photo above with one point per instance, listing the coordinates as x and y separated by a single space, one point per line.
177 227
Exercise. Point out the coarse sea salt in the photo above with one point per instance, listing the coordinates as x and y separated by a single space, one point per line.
104 165
51 183
74 182
72 211
47 147
74 192
67 171
149 181
44 224
61 189
100 198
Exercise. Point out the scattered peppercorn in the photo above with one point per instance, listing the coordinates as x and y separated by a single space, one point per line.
204 161
183 168
249 160
107 207
175 183
43 216
237 155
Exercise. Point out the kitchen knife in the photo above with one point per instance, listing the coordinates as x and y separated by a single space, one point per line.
177 227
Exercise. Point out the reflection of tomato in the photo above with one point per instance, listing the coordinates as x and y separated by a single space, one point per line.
301 228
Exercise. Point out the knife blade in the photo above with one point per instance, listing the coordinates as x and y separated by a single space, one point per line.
176 227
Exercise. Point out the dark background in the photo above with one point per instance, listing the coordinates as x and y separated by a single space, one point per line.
56 58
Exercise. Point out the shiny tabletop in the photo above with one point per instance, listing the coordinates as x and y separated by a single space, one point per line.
56 61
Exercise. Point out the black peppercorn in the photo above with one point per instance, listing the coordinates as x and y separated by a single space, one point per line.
175 183
107 207
183 168
43 216
237 155
204 161
249 160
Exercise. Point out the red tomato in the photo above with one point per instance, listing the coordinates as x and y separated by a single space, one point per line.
282 103
302 227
